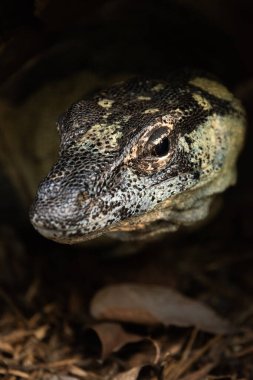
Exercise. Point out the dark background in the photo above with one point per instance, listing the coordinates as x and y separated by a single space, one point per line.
54 52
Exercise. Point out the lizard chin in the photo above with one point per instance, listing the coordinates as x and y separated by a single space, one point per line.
66 238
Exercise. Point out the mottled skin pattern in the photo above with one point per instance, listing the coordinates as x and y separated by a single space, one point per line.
143 157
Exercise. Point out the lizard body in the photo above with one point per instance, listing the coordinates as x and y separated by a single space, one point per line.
142 157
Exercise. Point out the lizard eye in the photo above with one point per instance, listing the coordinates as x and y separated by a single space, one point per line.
158 144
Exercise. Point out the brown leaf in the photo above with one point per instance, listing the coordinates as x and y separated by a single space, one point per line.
82 374
16 336
62 377
176 370
151 304
104 338
6 347
146 372
14 372
41 332
137 354
200 373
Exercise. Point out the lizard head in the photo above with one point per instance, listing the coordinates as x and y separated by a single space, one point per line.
139 158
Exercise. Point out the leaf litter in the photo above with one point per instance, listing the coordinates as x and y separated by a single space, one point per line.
135 330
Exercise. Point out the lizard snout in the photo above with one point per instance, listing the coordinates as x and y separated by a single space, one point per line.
58 210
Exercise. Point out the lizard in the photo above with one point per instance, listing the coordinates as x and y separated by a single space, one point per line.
140 158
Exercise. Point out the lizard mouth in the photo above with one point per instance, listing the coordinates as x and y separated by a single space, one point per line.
79 234
71 237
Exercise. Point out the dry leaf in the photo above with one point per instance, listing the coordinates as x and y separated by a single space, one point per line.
82 374
199 374
41 332
138 373
104 338
6 347
138 354
151 304
62 377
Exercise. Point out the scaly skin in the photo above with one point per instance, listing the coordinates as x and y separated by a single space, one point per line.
143 157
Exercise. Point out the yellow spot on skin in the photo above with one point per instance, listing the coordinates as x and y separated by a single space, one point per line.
212 87
107 115
202 102
105 103
143 97
158 87
151 110
126 118
183 143
106 135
